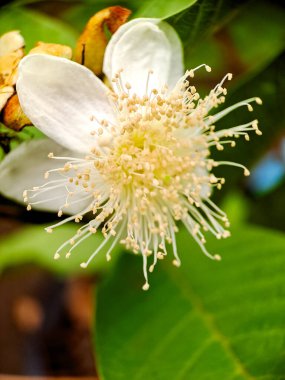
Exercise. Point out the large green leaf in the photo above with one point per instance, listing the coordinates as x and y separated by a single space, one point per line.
204 321
35 26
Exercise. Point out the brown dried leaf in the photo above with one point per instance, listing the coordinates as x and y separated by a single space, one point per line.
11 51
92 43
8 68
57 50
13 115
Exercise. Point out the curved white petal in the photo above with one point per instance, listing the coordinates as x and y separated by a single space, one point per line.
176 69
107 65
142 45
63 99
24 168
143 48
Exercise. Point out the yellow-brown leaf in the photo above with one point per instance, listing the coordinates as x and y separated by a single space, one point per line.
57 50
91 45
13 115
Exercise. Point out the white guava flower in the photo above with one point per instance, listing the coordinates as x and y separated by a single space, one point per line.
133 155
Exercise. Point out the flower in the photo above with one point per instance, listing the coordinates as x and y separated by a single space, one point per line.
11 51
134 155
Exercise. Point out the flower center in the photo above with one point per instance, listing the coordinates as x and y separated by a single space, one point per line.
159 140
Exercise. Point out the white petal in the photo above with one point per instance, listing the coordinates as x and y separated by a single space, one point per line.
63 99
108 57
24 168
142 45
142 49
176 69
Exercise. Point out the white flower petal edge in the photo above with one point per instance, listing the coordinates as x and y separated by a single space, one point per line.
129 50
176 69
63 99
108 56
27 164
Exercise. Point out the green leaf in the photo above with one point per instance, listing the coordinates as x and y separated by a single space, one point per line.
199 18
33 245
35 26
163 9
257 50
236 49
203 321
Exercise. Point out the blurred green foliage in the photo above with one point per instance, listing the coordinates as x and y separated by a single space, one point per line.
34 245
35 26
